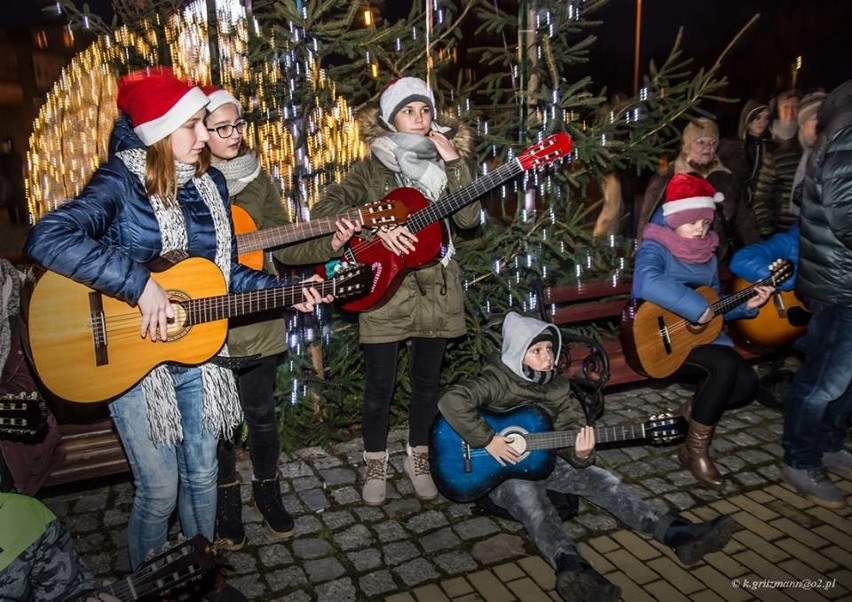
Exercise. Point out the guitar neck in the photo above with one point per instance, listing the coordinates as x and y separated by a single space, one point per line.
725 305
211 309
464 196
289 233
129 589
603 434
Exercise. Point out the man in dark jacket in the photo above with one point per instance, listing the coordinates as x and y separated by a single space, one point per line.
526 374
820 400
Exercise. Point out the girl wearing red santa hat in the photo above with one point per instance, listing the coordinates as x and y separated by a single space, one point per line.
155 197
677 255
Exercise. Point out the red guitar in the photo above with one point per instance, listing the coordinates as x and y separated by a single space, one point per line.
424 219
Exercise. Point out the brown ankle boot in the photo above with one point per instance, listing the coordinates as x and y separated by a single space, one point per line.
693 454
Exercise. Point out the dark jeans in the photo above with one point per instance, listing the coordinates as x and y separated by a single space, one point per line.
725 380
256 384
820 399
527 501
424 368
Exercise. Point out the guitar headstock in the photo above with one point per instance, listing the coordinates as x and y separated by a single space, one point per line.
23 416
665 428
779 271
387 212
351 280
176 566
552 148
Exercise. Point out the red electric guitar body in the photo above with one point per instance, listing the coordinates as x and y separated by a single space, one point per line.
425 220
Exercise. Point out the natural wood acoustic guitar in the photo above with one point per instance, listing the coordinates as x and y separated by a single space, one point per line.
425 220
251 242
657 341
85 345
777 324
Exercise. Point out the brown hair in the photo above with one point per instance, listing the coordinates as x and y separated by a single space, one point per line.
160 177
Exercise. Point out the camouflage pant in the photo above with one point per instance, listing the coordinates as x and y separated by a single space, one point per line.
48 570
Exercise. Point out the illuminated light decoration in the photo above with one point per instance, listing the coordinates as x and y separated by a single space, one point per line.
71 133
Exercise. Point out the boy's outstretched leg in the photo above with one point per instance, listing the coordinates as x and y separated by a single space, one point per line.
692 541
577 580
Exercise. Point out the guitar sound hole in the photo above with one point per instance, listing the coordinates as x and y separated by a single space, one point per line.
519 442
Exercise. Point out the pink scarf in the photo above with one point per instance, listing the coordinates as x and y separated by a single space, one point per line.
688 250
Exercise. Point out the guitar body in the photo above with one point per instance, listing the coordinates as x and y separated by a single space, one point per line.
244 224
656 341
461 481
388 267
778 323
79 362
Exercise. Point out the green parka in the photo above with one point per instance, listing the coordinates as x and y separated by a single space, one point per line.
430 302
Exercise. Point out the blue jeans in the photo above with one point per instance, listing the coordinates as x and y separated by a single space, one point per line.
820 398
164 473
527 501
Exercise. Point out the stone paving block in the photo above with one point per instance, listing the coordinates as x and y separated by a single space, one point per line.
377 583
456 562
323 569
250 586
630 590
282 579
832 534
337 476
403 597
508 572
426 521
314 499
297 596
541 572
706 596
637 570
726 565
803 574
456 586
719 583
416 571
489 587
844 579
389 531
311 547
339 590
599 562
430 593
527 590
675 574
786 493
603 544
476 528
356 536
399 552
634 544
844 525
724 507
760 511
755 534
365 560
762 568
498 548
336 520
662 590
817 559
439 540
799 533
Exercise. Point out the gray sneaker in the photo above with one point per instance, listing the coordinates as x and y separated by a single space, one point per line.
814 484
839 462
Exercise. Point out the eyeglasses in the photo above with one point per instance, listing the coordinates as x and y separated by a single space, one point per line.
227 130
706 142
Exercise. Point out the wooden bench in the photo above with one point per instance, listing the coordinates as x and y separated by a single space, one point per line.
580 305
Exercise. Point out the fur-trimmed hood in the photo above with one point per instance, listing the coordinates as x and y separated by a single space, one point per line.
460 133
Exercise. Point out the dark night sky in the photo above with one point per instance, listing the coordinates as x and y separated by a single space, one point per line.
758 66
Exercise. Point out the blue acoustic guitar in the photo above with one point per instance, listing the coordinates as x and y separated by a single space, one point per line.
463 473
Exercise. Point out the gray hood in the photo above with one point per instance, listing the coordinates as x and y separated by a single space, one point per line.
518 333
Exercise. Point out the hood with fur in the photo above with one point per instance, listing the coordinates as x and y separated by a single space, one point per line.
750 110
518 333
459 133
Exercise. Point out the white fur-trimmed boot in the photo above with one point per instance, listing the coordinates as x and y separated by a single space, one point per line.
416 466
375 489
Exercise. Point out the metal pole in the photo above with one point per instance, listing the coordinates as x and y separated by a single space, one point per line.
637 47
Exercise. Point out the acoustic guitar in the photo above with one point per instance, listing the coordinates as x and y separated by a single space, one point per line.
777 324
657 341
463 473
251 242
424 219
85 346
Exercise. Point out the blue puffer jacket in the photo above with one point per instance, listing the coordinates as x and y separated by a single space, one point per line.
752 262
104 237
660 278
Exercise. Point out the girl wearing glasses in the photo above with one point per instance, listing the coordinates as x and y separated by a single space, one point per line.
250 188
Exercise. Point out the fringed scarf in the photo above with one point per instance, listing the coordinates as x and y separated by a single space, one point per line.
10 285
688 250
415 161
222 412
239 171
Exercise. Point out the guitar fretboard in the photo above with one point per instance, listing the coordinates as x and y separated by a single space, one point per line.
452 203
603 434
282 235
725 305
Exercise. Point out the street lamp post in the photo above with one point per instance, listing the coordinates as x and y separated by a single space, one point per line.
637 47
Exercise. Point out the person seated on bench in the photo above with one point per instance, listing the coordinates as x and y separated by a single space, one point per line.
526 373
677 255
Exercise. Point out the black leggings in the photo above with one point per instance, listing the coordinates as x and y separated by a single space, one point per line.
725 380
256 384
424 368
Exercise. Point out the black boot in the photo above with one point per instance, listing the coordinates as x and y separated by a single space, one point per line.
267 498
577 580
230 534
691 541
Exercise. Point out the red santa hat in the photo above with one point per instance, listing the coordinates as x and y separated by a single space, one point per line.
401 91
157 102
689 198
219 97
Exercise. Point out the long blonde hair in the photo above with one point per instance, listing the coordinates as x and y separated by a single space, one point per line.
160 177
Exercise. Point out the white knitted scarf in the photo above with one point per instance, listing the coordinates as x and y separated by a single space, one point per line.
239 171
222 412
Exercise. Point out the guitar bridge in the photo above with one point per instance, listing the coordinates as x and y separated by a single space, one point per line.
468 467
96 320
664 334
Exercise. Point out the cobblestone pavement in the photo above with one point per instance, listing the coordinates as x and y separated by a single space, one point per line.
406 550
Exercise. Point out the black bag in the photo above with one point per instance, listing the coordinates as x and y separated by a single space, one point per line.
567 506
